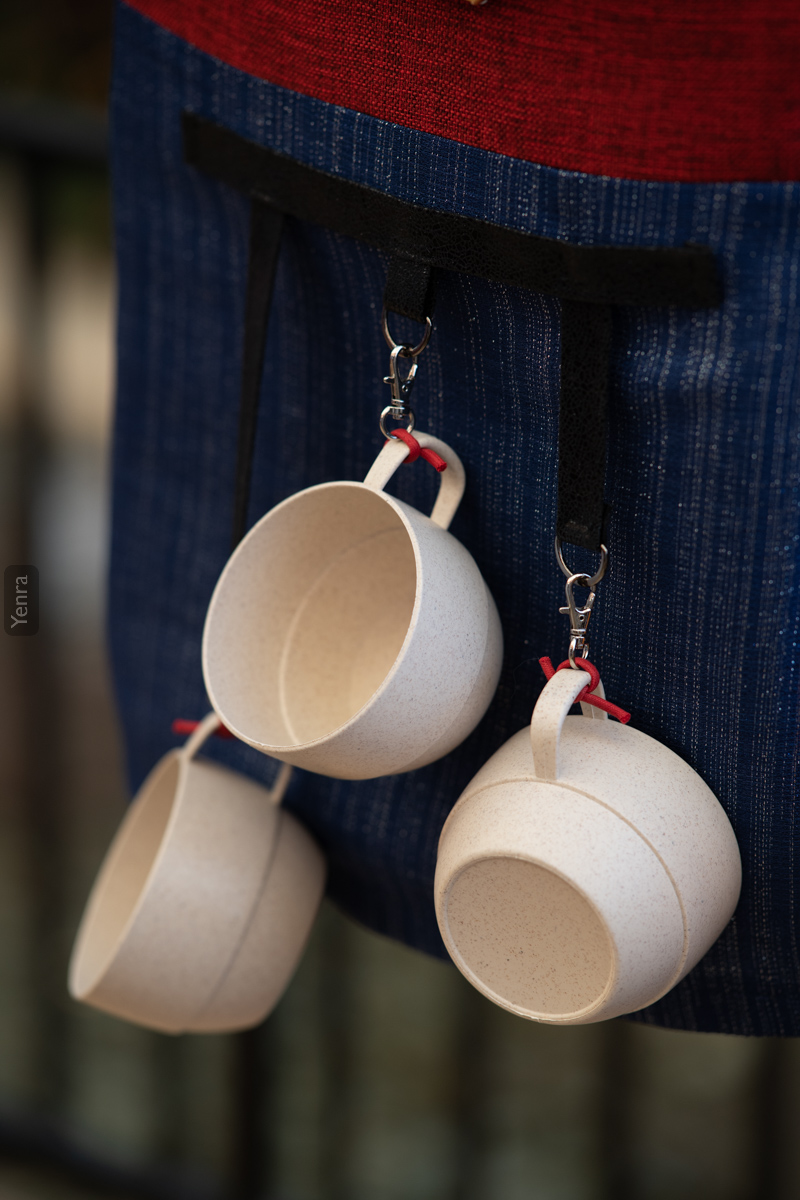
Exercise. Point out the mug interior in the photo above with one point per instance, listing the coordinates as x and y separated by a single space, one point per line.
528 937
310 615
122 879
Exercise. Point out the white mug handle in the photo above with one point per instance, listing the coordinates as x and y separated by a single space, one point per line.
451 481
208 726
558 697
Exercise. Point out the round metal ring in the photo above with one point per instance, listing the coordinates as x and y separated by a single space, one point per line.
407 351
386 432
571 655
593 579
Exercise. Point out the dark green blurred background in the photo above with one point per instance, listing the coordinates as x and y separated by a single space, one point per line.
382 1076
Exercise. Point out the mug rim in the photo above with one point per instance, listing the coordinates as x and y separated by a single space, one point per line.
468 797
574 1016
398 506
470 794
120 845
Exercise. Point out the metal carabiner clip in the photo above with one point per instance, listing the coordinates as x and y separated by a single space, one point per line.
578 617
398 408
400 388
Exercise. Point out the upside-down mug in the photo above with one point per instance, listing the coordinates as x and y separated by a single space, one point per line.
351 635
204 902
585 869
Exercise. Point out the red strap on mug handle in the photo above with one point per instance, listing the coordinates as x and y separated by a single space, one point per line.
416 451
586 697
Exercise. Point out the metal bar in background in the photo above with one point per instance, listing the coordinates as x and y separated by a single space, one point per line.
250 1082
616 1179
336 1011
773 1128
471 1049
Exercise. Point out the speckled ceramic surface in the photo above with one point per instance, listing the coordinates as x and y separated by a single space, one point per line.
203 904
585 869
350 634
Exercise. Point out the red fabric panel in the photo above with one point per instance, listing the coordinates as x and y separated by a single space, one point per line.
705 90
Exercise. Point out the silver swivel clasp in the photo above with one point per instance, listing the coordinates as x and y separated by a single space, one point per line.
398 409
580 615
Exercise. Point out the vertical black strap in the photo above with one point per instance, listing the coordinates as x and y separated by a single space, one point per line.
409 288
585 350
266 226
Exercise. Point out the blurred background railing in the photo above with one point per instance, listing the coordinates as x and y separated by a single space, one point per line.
382 1075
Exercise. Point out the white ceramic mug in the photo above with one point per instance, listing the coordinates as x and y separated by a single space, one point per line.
585 869
351 635
203 904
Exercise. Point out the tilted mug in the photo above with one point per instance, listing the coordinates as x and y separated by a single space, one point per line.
585 869
204 902
351 635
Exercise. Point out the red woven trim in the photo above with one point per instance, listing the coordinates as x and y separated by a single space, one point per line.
703 91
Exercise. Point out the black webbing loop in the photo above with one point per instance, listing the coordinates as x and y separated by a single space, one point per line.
587 279
585 350
649 275
266 226
409 288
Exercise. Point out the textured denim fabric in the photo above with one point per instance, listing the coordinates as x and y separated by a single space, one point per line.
696 624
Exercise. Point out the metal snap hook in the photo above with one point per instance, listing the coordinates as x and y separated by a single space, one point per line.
398 408
578 617
400 388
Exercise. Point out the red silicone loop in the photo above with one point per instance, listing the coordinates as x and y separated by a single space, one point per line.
585 696
585 665
416 451
434 459
414 448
